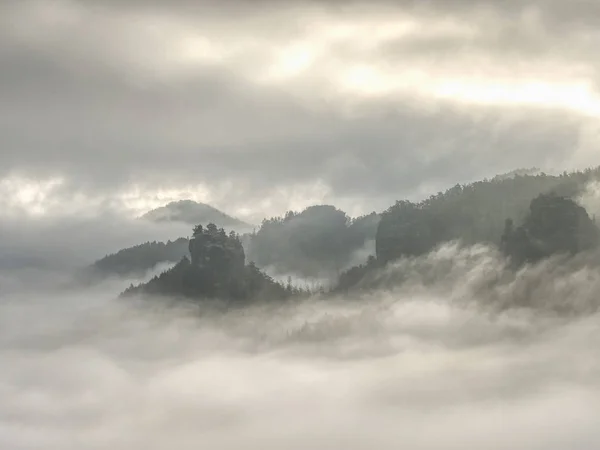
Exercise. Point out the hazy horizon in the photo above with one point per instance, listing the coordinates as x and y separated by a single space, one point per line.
432 327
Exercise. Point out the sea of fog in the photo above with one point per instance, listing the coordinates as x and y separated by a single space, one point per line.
430 363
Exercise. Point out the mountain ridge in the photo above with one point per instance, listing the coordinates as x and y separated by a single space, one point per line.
193 213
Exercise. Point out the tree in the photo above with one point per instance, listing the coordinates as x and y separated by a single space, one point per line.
413 231
318 241
139 259
216 269
472 213
554 225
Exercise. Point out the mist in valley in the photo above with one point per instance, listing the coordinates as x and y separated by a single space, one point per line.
429 363
310 224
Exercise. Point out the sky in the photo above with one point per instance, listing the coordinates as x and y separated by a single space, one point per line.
257 107
109 108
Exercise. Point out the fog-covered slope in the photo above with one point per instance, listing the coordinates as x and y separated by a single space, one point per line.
194 213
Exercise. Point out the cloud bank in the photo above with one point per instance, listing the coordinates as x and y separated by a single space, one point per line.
351 103
430 364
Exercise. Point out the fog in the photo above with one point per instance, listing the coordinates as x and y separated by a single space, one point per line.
441 361
327 279
70 242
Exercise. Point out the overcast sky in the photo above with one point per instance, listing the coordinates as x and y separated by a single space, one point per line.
262 106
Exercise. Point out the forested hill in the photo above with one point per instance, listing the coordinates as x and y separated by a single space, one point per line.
137 260
554 225
471 213
215 269
324 240
194 213
319 241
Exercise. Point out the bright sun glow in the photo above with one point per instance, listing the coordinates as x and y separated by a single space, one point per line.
28 195
198 49
576 97
336 55
292 61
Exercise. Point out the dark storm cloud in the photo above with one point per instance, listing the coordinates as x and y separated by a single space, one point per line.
81 98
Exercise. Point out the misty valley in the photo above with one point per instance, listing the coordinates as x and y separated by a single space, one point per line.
522 222
299 224
436 324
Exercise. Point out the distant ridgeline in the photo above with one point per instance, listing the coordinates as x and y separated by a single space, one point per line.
485 212
139 259
215 269
529 217
553 225
193 213
318 241
472 213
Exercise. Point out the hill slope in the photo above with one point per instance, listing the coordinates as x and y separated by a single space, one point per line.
193 213
316 242
472 213
484 212
216 269
138 259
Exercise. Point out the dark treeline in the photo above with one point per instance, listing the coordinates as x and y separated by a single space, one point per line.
215 269
528 217
472 213
485 212
317 241
139 259
554 225
191 212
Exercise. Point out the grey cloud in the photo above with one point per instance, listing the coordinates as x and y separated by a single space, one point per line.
218 128
68 243
76 105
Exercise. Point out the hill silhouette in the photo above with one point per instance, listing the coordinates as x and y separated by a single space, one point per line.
323 239
215 269
194 213
319 241
484 213
472 213
139 259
